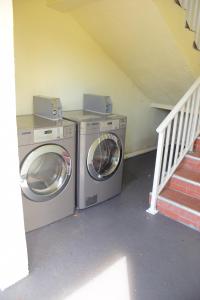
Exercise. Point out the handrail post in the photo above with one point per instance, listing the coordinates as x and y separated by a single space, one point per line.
152 209
195 118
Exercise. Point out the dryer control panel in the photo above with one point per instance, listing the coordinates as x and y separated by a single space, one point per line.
48 134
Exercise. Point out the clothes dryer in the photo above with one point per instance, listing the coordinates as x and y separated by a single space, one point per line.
100 153
47 169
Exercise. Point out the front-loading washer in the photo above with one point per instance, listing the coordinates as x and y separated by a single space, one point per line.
100 153
47 169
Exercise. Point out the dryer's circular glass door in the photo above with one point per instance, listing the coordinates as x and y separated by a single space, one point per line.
45 172
104 156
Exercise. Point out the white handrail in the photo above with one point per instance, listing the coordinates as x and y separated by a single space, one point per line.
177 107
176 135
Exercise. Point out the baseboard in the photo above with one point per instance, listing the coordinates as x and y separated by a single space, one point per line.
139 152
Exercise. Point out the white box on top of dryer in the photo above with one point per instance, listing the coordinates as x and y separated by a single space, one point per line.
97 104
47 107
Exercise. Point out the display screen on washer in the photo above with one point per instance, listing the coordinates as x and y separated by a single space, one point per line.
45 172
47 131
104 156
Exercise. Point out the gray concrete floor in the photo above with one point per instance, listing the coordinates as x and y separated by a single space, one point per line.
163 257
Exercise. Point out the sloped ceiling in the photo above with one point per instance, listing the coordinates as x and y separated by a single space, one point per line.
137 37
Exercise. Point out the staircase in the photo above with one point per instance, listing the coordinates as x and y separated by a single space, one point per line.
180 199
192 8
176 186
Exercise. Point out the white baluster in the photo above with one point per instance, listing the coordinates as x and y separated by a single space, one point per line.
152 209
179 135
172 144
163 175
196 114
186 119
190 120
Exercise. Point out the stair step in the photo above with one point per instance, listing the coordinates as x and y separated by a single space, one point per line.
186 180
197 145
188 174
192 160
181 199
180 207
194 155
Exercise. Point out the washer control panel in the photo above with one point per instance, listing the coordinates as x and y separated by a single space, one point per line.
48 134
103 125
109 125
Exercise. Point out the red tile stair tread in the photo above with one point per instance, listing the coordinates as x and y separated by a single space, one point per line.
194 154
188 173
180 198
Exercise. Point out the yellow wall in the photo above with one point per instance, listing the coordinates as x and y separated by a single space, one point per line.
66 5
56 57
137 37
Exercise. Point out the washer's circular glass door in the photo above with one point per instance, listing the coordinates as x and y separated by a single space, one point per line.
45 172
104 156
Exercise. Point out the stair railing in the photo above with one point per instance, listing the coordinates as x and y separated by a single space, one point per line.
184 3
176 136
192 8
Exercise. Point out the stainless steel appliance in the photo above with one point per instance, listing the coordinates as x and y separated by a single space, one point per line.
100 152
47 169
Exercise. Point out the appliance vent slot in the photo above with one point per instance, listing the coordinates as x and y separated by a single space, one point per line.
91 200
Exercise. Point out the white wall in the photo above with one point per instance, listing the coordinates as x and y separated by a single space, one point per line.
13 252
56 57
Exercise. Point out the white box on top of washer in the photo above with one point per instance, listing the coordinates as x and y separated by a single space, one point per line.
97 104
47 107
